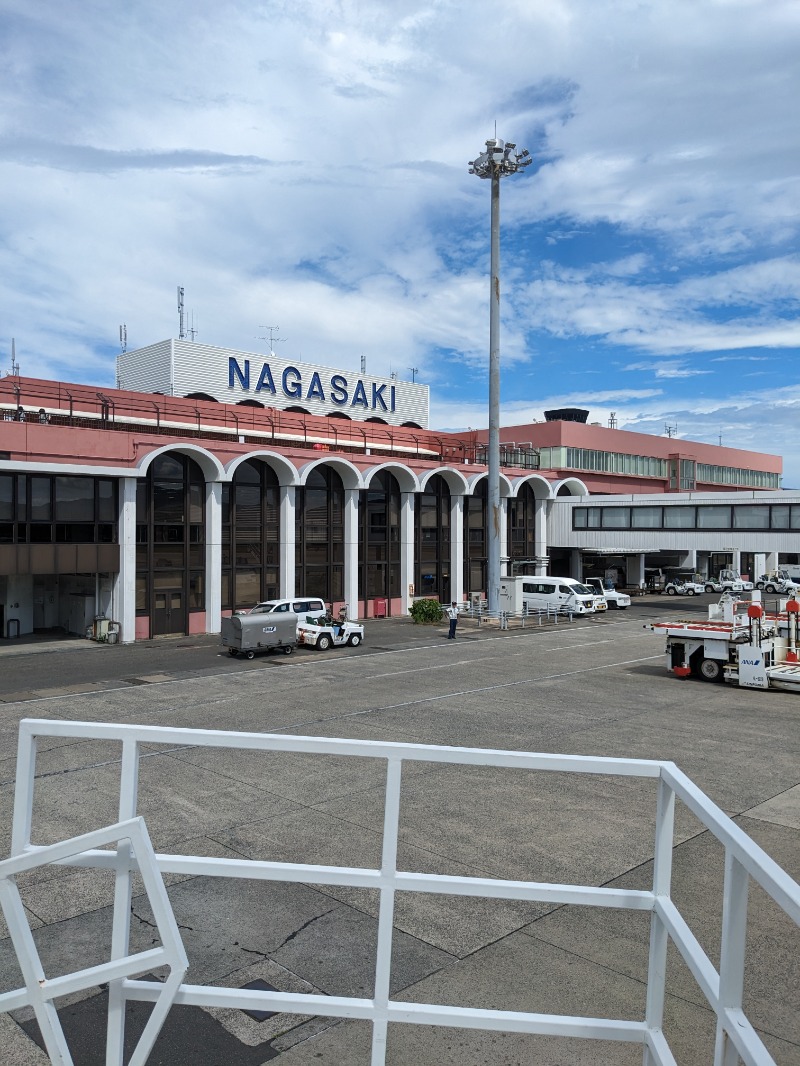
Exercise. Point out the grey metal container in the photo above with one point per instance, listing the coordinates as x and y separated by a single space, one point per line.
246 634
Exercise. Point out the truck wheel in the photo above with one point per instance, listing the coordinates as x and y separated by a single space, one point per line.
354 641
251 655
288 649
324 642
233 651
690 592
671 592
760 585
709 588
711 670
770 588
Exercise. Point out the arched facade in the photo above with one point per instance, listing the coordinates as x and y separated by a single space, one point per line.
250 536
170 544
432 549
379 543
319 535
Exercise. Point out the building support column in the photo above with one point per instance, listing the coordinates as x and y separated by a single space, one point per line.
505 561
213 556
287 542
690 561
123 593
457 548
736 560
635 566
576 564
540 536
351 552
407 588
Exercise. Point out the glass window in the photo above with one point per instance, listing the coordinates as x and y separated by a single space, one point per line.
680 517
795 517
780 516
6 498
74 499
751 516
714 517
646 517
579 517
41 510
616 517
106 500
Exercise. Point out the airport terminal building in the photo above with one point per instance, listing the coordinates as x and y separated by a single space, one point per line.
210 479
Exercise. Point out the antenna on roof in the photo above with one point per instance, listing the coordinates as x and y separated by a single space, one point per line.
414 371
671 431
192 330
272 341
363 363
181 327
612 420
123 338
14 372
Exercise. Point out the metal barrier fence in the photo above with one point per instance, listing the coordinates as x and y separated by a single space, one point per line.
736 1039
481 614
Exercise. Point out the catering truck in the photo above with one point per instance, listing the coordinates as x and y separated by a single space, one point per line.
739 643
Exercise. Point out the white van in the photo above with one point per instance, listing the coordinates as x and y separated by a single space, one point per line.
302 606
542 592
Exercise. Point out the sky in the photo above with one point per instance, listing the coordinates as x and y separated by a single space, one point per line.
301 170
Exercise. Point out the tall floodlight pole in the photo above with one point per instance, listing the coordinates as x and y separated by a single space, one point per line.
499 159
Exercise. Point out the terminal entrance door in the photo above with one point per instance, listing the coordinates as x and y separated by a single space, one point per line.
169 612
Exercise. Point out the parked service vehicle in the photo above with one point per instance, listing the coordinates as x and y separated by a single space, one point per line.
738 643
728 581
777 581
300 605
678 586
323 635
524 593
247 634
620 600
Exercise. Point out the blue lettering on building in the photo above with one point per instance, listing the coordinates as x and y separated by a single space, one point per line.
234 371
339 394
315 391
292 381
359 396
265 380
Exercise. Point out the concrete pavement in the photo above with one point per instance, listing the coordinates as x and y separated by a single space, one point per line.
596 686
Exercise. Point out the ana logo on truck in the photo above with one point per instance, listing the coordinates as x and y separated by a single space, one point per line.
751 662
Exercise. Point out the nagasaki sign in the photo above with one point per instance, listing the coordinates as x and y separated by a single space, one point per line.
332 388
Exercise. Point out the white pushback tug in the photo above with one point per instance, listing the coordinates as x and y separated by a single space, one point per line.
739 643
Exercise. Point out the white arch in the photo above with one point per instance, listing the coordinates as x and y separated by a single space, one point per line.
212 468
456 481
573 485
406 478
542 488
506 488
285 470
350 474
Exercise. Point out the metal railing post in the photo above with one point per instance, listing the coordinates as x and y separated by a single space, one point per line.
662 881
383 966
121 922
732 955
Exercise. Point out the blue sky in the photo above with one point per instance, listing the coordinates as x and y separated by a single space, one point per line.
305 166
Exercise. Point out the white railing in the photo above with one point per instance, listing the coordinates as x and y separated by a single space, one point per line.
736 1039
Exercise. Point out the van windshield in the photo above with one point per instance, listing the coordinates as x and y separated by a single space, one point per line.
582 590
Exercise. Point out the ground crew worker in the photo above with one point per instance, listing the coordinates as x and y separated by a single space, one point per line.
452 614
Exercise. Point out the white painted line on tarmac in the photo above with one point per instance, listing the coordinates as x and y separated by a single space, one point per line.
486 688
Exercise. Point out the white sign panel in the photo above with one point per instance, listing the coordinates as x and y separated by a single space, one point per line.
752 667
